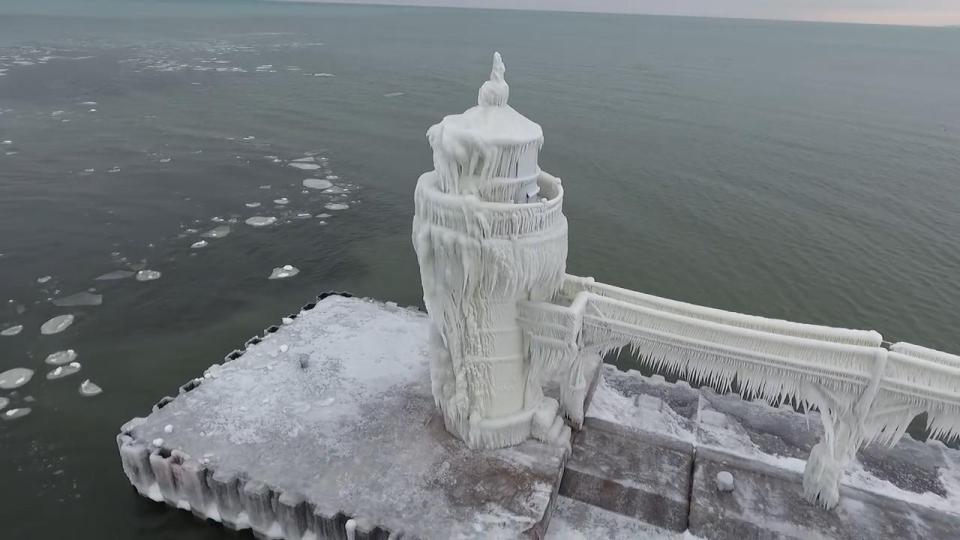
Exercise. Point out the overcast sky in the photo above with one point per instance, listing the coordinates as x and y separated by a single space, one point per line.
910 12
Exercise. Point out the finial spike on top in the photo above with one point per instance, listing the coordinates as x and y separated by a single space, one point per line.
496 91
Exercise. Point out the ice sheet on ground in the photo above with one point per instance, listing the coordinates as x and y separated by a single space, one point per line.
60 372
260 221
12 330
317 183
217 232
89 389
576 520
333 432
116 274
305 166
148 275
336 206
60 358
284 271
15 378
56 325
83 298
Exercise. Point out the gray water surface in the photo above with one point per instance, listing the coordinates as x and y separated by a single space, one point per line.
800 171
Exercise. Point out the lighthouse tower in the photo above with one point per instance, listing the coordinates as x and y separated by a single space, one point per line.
489 231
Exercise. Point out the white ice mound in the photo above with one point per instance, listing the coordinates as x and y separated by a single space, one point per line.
260 221
284 271
317 183
89 389
12 331
115 275
62 371
56 325
15 378
148 275
336 206
60 358
305 166
217 232
79 299
725 481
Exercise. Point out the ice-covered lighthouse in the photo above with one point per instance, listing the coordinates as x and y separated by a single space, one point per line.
489 231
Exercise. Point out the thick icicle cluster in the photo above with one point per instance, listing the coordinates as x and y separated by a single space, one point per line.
489 231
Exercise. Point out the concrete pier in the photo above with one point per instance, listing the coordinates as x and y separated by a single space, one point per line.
325 427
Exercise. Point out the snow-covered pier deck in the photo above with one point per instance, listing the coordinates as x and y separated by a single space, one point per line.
325 427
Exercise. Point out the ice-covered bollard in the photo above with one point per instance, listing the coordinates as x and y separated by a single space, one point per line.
725 482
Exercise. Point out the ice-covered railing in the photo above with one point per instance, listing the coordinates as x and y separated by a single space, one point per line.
864 392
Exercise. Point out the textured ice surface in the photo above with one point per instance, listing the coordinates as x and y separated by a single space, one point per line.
12 330
116 274
56 325
89 389
83 298
15 378
261 221
63 371
217 232
284 271
336 206
60 358
148 275
317 183
264 442
575 520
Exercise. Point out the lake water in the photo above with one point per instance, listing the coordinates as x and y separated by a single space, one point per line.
800 171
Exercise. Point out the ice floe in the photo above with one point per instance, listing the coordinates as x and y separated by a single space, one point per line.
324 75
336 206
44 279
114 169
198 245
15 378
252 204
116 274
332 177
56 325
3 403
89 389
217 232
308 159
284 271
317 183
13 414
281 200
79 299
305 166
323 216
148 275
12 330
393 94
60 358
63 371
260 221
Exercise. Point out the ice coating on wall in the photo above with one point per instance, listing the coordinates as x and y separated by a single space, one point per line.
482 247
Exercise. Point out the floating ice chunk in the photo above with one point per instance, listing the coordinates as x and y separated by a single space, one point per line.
725 481
56 325
88 103
7 142
114 169
89 171
44 279
12 331
308 159
266 186
305 166
168 428
317 183
335 190
89 389
217 232
56 113
15 378
79 299
281 200
252 204
323 216
63 371
321 223
148 275
13 414
332 177
60 358
249 138
93 110
336 206
260 221
284 271
116 274
198 245
393 94
3 403
304 215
